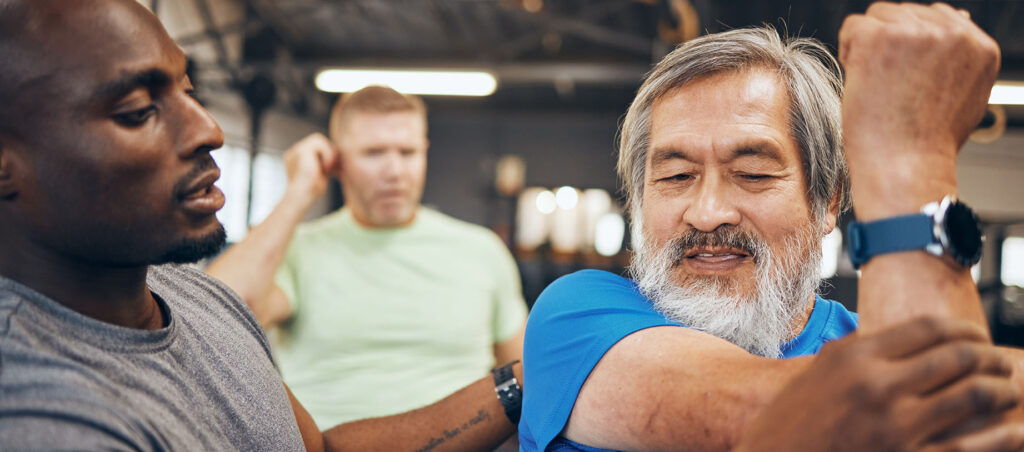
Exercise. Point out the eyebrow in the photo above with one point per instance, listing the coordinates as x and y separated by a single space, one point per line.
665 154
754 149
148 79
761 150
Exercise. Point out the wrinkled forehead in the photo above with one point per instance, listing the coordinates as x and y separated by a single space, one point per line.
751 94
726 112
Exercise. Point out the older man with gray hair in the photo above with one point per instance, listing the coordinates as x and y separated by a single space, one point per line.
782 280
731 156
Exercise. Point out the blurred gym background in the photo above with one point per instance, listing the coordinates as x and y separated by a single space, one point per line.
529 150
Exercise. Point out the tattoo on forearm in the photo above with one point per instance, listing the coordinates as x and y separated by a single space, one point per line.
447 434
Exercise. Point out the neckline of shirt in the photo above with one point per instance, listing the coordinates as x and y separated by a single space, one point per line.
63 321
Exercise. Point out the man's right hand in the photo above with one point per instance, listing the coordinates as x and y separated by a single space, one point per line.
917 81
912 386
310 163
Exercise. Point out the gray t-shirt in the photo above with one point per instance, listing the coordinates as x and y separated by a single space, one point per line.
205 382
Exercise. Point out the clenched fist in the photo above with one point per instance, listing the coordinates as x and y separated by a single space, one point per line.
310 162
917 82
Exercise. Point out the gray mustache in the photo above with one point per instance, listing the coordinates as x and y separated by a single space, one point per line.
724 236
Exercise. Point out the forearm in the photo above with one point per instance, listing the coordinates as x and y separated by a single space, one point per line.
917 80
248 267
899 286
470 419
715 418
630 402
902 286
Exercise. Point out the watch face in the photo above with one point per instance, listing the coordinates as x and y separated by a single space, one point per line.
964 233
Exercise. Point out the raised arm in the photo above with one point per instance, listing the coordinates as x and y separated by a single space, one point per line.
699 394
470 419
917 81
249 266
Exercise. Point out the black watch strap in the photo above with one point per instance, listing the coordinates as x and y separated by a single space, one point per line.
510 394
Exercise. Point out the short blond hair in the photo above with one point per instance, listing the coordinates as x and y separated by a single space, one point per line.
372 99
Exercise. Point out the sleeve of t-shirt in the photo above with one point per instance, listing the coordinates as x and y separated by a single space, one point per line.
509 305
28 432
574 322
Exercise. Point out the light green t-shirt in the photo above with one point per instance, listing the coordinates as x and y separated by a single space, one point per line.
388 320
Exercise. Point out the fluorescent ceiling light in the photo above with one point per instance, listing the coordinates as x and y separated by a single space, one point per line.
409 81
1007 93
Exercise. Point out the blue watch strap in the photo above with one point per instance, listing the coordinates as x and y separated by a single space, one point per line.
903 233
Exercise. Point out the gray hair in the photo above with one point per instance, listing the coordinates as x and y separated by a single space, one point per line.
814 84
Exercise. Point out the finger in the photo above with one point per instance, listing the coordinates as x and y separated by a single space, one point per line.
335 160
952 13
918 334
977 396
942 365
963 18
928 14
999 437
317 136
330 160
854 26
889 13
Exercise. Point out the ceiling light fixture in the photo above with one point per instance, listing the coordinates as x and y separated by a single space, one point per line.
1007 93
409 81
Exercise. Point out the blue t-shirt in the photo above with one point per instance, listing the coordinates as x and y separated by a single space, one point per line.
581 316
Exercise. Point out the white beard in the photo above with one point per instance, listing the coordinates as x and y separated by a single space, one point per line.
785 283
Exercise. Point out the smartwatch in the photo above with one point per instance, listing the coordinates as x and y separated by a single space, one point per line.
510 394
947 229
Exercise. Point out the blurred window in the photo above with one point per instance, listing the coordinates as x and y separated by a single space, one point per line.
1013 262
271 180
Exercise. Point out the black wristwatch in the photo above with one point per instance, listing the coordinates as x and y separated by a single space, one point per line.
510 394
946 228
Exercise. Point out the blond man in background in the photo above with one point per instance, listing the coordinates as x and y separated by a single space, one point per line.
384 305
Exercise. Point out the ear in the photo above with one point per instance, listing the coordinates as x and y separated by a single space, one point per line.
8 163
832 215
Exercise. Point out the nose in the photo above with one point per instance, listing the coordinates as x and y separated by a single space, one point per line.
392 167
198 131
712 207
